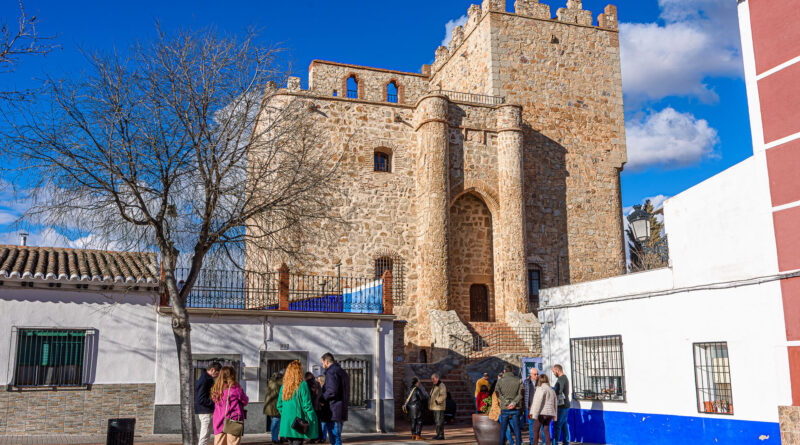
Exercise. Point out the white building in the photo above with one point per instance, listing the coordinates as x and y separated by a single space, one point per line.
706 351
88 339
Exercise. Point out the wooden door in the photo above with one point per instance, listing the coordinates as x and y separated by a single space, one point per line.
479 302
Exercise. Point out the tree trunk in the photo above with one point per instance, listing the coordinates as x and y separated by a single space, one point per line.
180 328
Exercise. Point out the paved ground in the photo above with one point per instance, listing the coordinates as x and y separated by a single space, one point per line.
455 434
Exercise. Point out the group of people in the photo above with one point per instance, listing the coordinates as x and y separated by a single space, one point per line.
510 400
298 406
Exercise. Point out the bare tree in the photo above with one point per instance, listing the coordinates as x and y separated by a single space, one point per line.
651 253
183 146
17 41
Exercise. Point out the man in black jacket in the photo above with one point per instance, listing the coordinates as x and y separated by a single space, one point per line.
335 397
203 405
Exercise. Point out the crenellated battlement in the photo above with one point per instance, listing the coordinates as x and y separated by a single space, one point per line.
572 14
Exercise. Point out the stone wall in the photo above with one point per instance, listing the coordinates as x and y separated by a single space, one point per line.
449 335
471 254
325 77
789 417
79 411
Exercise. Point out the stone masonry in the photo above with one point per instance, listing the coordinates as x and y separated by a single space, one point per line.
505 157
78 411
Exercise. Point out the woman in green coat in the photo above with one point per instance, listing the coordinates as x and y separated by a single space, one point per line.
295 402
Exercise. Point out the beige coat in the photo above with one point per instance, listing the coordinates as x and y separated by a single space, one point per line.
544 402
438 397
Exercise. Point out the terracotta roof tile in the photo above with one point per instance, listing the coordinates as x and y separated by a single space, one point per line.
56 263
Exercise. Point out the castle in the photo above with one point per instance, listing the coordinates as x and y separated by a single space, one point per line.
493 171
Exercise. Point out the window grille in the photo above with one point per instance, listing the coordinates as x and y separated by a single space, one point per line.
360 376
50 358
598 372
383 162
382 264
533 289
352 87
712 375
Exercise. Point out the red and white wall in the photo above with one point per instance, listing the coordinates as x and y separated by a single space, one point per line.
770 32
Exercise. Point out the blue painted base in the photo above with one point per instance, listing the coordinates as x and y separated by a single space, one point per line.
623 428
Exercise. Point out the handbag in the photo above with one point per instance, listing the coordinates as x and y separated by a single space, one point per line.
300 424
230 426
405 407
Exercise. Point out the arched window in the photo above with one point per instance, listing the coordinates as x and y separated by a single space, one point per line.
391 92
352 87
383 161
383 264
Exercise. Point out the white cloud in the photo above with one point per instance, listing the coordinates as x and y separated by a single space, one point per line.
669 138
448 29
698 40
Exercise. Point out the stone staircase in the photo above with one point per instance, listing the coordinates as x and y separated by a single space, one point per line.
461 388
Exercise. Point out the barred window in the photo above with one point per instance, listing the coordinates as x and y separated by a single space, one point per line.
359 371
383 264
598 372
712 374
383 162
51 358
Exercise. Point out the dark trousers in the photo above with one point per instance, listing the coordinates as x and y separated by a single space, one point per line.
416 426
542 423
510 418
438 418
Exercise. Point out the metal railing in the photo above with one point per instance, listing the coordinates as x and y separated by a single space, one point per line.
352 94
235 289
459 96
391 98
504 340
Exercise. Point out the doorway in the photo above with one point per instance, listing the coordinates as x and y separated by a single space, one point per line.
479 302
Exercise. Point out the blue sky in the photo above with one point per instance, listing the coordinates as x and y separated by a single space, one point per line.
685 102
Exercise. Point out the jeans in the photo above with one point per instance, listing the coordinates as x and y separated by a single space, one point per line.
275 427
416 426
532 428
206 436
510 417
438 418
561 428
334 432
323 430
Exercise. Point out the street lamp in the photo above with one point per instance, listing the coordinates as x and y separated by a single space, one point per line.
639 220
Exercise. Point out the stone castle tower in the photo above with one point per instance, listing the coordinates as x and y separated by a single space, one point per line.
493 171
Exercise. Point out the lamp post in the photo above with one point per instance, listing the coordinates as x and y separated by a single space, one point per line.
639 220
654 253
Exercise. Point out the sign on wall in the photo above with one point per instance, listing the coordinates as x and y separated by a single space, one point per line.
531 362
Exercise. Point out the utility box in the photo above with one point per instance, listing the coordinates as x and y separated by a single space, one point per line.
120 431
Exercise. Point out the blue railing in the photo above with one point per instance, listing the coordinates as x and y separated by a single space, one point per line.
234 289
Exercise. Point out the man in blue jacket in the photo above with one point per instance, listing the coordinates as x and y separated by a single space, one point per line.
203 405
335 397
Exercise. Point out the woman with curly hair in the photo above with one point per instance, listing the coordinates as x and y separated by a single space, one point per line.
298 419
229 402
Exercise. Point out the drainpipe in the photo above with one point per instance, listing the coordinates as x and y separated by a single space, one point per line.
379 368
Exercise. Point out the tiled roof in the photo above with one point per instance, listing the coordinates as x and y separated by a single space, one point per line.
61 264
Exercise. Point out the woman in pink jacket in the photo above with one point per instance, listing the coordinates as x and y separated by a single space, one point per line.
229 402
